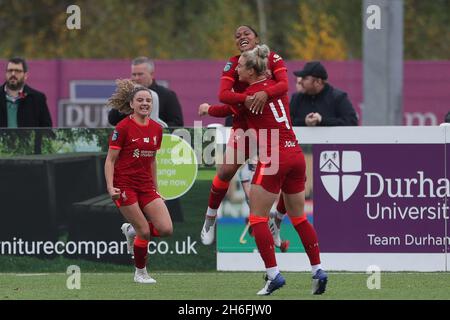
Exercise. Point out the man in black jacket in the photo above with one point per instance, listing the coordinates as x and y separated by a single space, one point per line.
21 105
320 104
142 72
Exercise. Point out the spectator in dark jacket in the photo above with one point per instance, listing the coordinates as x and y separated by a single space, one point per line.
320 104
142 72
447 118
21 105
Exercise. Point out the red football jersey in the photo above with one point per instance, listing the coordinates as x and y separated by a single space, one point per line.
275 64
138 145
275 116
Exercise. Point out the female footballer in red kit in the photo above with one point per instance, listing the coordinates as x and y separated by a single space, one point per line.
281 166
232 93
130 171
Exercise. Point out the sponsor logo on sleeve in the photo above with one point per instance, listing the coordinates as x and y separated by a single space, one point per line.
115 135
227 67
276 58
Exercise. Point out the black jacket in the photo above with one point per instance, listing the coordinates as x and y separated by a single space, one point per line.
332 104
169 108
32 111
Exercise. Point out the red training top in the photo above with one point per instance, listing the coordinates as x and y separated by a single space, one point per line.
275 116
138 145
231 90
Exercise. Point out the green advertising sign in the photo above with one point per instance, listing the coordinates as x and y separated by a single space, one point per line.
177 167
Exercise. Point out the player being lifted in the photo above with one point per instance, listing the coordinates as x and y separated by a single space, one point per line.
281 166
232 93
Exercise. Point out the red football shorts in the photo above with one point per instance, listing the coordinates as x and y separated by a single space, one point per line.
290 176
129 196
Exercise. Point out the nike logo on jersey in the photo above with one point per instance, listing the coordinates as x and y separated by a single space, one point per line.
134 140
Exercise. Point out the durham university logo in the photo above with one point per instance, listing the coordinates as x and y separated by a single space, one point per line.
340 171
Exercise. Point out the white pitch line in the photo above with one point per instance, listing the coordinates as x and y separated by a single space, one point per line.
343 273
29 274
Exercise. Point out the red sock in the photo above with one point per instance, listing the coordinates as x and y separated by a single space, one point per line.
218 191
153 231
308 236
280 206
263 239
140 252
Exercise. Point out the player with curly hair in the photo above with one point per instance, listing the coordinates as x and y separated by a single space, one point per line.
130 172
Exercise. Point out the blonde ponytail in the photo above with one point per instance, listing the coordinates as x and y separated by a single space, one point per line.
257 58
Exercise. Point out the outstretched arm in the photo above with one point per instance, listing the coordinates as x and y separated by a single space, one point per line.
226 93
218 111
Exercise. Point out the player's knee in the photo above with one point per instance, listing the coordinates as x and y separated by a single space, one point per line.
143 233
165 231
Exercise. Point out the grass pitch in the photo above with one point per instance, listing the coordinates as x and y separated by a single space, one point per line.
30 278
220 286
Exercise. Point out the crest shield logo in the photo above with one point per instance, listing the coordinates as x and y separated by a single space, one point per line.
340 171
